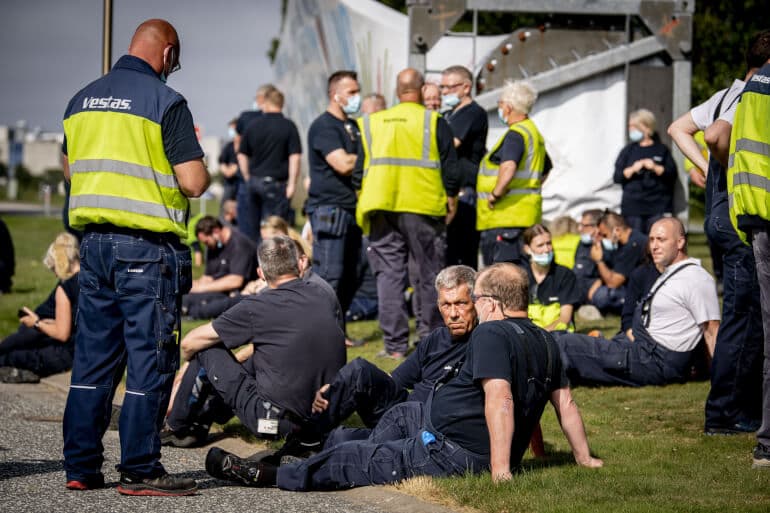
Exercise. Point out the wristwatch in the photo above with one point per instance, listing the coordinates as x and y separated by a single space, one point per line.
37 324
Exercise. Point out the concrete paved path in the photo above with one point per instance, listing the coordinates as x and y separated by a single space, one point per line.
32 473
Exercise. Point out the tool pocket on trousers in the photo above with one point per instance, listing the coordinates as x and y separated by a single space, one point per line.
137 272
330 221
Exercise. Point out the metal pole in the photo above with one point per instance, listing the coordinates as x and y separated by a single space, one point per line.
475 35
107 37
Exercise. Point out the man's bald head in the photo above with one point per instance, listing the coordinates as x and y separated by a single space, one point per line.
409 85
157 42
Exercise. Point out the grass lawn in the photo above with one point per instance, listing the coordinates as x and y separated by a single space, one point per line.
656 458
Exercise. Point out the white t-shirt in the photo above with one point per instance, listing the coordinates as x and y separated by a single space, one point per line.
681 305
703 114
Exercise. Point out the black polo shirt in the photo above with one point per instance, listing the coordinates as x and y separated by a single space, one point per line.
558 286
328 187
268 141
469 124
629 255
238 256
436 354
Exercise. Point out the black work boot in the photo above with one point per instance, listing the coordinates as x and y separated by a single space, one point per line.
163 485
227 466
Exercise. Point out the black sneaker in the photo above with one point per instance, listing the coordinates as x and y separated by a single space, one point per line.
738 428
229 467
162 486
761 457
16 375
194 436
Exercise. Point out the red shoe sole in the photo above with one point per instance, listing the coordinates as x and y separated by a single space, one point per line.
155 493
76 485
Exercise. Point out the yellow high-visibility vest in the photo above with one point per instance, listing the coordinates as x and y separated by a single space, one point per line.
521 205
748 174
402 167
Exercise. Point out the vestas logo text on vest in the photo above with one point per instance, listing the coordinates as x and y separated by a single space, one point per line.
762 79
107 103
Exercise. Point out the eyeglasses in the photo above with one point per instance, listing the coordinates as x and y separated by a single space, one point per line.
475 297
450 86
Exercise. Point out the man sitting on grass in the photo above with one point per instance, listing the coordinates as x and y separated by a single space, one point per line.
480 420
680 309
297 341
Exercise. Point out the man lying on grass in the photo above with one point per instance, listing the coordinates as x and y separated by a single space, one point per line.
480 420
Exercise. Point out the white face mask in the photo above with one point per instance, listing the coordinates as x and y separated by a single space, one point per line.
635 135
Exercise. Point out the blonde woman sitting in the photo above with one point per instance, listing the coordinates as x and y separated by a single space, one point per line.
44 343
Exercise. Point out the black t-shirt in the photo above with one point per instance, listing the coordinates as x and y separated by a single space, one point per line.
558 286
498 351
178 131
646 193
71 287
228 156
639 284
327 187
298 344
629 255
268 141
451 174
435 355
469 124
238 256
245 119
585 269
511 149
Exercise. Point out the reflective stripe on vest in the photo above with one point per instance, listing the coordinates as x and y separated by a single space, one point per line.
521 204
402 169
124 168
748 174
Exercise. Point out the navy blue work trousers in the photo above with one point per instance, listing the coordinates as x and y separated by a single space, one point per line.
336 250
32 350
359 387
258 199
736 370
462 238
619 361
128 315
403 248
501 245
404 444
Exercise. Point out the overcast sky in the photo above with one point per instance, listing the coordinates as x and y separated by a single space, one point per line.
49 49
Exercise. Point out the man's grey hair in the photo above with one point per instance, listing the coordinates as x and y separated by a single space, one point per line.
520 95
455 275
277 257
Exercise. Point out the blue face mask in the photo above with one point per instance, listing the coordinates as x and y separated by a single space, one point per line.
635 135
501 116
163 77
354 104
542 259
586 238
231 133
255 106
609 245
449 101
